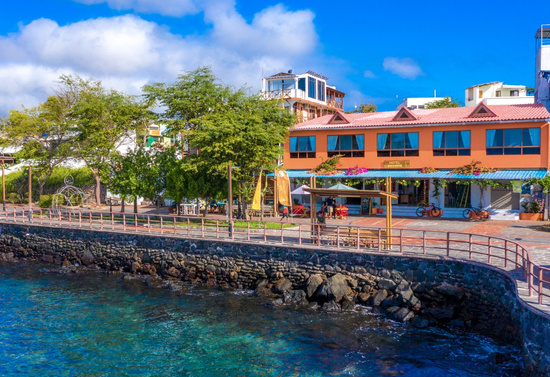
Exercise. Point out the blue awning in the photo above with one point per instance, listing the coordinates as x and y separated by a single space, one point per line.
442 174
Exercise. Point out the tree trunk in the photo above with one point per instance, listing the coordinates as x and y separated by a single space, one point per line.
135 206
122 208
41 188
206 206
97 190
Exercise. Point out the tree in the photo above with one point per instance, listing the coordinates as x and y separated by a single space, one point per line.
364 108
45 135
443 103
225 126
105 120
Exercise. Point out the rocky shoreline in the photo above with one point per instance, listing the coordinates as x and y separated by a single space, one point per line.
422 291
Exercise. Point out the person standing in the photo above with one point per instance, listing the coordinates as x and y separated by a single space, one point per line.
330 206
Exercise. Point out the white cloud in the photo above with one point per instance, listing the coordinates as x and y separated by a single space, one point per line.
405 68
174 8
369 74
127 52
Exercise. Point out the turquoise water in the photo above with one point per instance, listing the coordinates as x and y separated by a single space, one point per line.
94 324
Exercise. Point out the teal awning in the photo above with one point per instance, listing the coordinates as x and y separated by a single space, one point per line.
415 174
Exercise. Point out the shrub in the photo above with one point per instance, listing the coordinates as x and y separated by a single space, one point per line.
45 201
14 198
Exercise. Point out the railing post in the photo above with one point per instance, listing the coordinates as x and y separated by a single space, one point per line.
470 250
540 285
161 225
318 235
50 212
175 224
188 227
41 217
530 277
299 234
124 221
338 237
265 231
489 250
448 243
517 257
14 216
79 219
505 253
424 242
112 221
524 261
217 228
248 230
358 236
202 227
90 220
401 241
149 223
379 239
282 238
70 219
101 220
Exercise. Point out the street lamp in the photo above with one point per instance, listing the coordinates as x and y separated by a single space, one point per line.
4 159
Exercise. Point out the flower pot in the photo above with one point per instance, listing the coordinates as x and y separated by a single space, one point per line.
376 211
530 216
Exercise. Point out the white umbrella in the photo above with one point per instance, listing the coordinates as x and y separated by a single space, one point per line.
300 191
341 186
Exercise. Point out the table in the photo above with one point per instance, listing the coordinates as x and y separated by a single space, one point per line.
189 209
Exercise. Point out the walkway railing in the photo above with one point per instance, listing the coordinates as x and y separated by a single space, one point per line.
495 251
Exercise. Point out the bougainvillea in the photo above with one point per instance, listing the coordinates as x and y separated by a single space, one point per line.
328 167
472 169
356 170
428 169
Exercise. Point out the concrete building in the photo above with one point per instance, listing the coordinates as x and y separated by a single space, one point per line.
307 95
417 102
497 93
542 66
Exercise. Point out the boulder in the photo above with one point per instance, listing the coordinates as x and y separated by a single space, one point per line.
335 288
386 284
281 286
380 296
419 322
295 297
331 306
399 314
313 282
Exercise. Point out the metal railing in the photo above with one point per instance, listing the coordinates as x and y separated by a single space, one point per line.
495 251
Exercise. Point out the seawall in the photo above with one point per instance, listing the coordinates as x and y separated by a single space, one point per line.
423 291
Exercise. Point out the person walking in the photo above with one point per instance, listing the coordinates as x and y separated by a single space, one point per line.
285 213
330 207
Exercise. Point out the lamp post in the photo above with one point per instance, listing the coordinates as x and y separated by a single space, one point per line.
229 201
4 159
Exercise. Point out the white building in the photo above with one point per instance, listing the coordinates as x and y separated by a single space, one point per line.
542 66
497 93
417 102
307 95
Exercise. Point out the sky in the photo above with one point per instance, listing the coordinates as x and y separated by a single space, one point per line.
374 51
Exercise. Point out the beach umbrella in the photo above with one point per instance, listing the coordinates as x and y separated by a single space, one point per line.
300 191
341 186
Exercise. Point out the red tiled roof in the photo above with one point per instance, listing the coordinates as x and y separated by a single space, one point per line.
431 117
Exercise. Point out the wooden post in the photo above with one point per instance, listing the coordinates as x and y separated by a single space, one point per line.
3 187
388 211
30 192
275 196
229 207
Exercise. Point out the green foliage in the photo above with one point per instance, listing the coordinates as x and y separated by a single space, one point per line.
45 201
443 103
328 166
13 197
364 108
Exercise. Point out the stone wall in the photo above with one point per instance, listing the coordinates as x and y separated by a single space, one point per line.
424 291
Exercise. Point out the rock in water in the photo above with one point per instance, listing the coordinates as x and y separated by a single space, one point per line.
335 288
313 282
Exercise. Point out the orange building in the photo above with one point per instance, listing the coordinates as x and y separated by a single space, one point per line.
513 139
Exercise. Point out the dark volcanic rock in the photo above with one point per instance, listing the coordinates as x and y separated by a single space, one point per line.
335 288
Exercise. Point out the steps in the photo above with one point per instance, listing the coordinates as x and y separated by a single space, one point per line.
503 214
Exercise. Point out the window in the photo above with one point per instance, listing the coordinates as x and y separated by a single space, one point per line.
451 143
397 145
302 147
320 90
311 87
470 94
302 84
277 85
346 145
513 141
499 93
514 93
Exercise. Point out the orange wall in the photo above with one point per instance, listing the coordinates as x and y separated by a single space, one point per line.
426 157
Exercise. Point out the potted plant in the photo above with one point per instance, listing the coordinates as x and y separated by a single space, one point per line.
532 209
376 209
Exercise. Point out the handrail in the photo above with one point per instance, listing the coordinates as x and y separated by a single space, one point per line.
494 251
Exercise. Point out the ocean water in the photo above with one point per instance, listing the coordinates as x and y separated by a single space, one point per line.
95 324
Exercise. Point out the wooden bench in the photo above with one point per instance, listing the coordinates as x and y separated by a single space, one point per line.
367 237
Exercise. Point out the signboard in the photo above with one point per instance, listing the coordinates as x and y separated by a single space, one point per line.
516 187
397 164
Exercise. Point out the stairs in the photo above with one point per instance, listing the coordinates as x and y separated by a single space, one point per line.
503 214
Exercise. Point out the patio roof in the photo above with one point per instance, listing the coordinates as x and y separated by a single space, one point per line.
350 193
